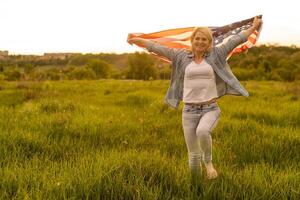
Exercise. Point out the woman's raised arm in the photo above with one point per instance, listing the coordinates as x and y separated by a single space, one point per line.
255 25
151 46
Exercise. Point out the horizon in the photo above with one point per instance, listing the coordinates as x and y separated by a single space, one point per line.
137 49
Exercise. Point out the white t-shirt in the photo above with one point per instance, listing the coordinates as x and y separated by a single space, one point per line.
199 83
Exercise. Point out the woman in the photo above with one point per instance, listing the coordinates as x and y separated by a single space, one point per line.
199 78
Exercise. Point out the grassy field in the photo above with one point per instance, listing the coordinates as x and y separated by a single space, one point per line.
118 140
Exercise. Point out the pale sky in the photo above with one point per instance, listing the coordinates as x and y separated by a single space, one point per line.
94 26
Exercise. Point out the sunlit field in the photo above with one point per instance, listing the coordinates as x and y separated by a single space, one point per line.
118 140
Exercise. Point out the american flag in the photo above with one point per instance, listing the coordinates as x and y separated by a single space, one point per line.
180 37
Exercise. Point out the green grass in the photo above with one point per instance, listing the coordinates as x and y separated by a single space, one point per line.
118 140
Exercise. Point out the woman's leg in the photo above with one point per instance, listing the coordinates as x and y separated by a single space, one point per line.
206 124
189 124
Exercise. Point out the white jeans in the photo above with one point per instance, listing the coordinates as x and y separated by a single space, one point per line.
198 123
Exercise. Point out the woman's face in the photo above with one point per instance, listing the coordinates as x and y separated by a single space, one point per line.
200 42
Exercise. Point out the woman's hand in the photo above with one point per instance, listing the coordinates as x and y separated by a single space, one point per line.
130 38
256 23
133 39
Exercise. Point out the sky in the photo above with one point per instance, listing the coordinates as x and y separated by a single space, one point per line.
94 26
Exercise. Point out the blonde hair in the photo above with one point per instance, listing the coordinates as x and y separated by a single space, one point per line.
205 31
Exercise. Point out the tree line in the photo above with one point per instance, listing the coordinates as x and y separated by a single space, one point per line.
265 62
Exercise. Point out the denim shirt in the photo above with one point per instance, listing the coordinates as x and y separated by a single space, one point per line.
226 82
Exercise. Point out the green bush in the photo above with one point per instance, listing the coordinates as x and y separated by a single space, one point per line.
52 74
100 67
82 73
12 75
245 74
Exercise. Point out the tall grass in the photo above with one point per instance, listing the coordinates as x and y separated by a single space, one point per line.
118 140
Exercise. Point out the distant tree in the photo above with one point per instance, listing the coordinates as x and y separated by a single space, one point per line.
141 66
81 73
100 67
296 57
164 72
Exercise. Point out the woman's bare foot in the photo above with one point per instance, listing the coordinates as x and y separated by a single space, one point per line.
210 171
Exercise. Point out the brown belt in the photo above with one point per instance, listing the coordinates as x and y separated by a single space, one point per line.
201 104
